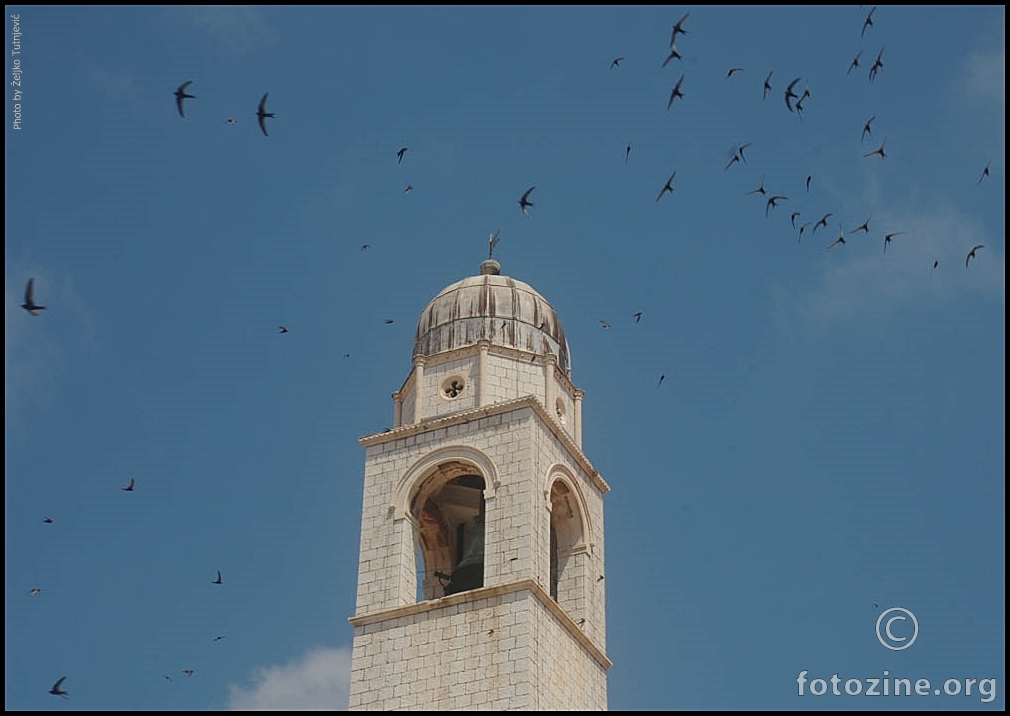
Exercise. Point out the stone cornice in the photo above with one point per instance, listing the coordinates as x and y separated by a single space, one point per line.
467 416
473 595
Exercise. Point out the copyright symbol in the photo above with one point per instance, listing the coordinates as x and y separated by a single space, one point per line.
886 628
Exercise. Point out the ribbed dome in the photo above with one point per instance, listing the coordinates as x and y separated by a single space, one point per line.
501 309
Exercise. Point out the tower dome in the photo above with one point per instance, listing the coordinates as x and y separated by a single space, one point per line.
500 309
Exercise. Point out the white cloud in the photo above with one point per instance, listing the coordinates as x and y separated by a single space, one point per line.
320 681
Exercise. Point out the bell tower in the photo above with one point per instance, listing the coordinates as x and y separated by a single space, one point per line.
480 577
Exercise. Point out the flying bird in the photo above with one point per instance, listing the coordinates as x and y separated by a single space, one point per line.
678 28
168 677
627 152
733 71
218 580
180 95
676 92
128 488
29 304
865 226
760 189
638 317
661 378
219 638
525 202
935 264
365 247
971 254
600 578
56 690
799 102
282 329
410 188
868 22
792 218
823 221
399 154
985 173
604 325
790 94
188 672
877 65
768 85
839 240
387 320
879 150
808 183
866 128
771 203
855 62
616 62
668 187
802 229
673 55
888 237
35 591
231 120
734 160
48 520
740 150
262 114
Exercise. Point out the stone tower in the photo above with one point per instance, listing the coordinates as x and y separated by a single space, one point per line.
480 578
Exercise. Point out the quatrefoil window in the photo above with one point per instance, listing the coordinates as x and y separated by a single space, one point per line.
453 387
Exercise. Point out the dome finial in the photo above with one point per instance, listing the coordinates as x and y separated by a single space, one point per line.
489 266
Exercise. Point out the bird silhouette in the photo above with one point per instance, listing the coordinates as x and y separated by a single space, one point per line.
365 247
218 580
855 62
604 325
169 678
768 85
733 71
866 128
525 203
868 22
188 672
231 120
128 488
262 114
879 150
387 320
627 153
800 101
616 62
803 228
410 188
888 237
48 520
935 264
600 578
773 202
29 304
971 254
839 240
668 187
638 317
734 160
282 329
219 638
180 95
823 221
399 154
877 65
760 190
582 621
56 690
661 379
35 591
865 226
678 28
985 173
740 151
792 218
673 55
808 183
676 92
490 632
789 94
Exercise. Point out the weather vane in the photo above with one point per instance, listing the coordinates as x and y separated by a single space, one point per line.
492 242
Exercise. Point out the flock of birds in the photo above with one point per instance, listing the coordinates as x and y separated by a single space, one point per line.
794 103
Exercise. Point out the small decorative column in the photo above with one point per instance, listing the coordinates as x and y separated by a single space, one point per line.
418 389
578 416
483 345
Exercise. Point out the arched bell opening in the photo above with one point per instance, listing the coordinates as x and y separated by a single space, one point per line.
448 509
568 554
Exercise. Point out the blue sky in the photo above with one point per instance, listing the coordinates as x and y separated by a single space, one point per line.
829 439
